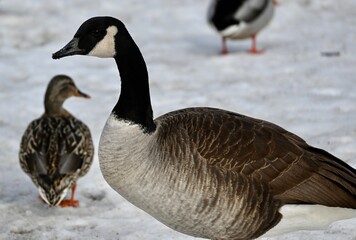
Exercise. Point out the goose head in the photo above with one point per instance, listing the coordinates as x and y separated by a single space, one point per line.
107 37
97 36
60 88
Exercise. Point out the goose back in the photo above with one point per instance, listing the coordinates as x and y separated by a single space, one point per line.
266 152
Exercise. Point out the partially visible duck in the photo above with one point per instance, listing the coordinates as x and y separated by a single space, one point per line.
204 172
56 149
240 19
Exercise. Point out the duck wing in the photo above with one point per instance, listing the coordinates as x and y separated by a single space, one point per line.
34 147
53 148
76 149
294 171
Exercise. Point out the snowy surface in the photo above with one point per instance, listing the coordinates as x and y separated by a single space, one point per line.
305 82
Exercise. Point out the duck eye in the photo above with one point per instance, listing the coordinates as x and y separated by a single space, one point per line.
69 82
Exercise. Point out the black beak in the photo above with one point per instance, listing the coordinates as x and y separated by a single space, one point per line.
70 49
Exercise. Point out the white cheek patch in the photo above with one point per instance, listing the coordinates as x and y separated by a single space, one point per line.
106 47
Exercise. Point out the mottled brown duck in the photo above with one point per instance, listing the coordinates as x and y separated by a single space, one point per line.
204 172
57 148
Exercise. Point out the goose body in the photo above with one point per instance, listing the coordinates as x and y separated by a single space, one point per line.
240 19
202 171
56 149
177 187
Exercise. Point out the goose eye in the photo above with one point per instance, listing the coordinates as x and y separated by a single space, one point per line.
97 33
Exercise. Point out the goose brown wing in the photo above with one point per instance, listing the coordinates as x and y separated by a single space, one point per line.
295 172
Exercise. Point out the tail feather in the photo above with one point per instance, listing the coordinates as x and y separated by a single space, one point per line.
338 171
333 184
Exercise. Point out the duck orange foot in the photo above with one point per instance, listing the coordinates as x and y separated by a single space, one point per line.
69 203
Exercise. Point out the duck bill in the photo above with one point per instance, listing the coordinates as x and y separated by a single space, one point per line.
68 50
79 93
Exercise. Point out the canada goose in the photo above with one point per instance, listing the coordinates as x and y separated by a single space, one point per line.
240 19
56 149
204 172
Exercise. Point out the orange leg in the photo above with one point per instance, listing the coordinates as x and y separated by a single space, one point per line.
253 49
70 202
224 46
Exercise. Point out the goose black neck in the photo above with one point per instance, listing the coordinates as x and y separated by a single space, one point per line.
134 103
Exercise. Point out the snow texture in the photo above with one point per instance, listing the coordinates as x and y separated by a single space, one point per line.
305 82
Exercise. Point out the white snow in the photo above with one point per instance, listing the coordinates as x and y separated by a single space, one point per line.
304 82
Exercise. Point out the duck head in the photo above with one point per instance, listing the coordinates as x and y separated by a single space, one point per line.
97 36
59 89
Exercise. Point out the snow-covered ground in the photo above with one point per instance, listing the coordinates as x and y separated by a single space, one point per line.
304 82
